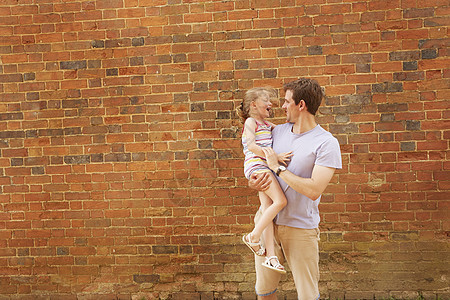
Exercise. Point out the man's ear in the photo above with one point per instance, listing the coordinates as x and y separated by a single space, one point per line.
301 105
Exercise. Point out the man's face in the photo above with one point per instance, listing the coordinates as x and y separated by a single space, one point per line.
290 108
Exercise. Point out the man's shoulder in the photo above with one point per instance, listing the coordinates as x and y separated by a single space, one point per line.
282 127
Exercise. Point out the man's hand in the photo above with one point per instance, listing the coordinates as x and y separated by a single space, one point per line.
259 182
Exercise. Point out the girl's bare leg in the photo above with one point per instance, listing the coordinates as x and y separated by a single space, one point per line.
267 234
273 200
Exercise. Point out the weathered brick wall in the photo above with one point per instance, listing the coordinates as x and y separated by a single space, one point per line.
121 166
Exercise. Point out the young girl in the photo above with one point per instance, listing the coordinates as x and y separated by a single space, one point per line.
257 133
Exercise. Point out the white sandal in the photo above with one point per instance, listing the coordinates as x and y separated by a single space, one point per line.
261 251
276 267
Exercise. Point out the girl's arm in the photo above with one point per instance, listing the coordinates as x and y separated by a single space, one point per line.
249 132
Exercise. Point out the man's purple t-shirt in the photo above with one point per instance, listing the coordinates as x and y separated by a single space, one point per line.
314 147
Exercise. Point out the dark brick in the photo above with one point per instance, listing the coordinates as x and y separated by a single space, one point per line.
181 155
223 115
347 110
356 99
11 134
62 250
315 50
223 55
98 157
138 156
387 87
226 75
137 61
160 156
233 35
180 97
16 161
153 278
270 73
23 252
35 161
392 107
117 43
409 65
224 154
205 154
165 249
404 55
79 103
118 157
413 13
94 64
412 125
112 72
73 65
357 58
429 53
29 76
408 146
197 66
186 249
72 131
205 144
139 41
180 38
404 236
76 159
31 133
409 76
241 64
200 86
197 107
363 68
199 37
33 96
37 170
178 58
344 128
98 44
164 59
228 133
387 117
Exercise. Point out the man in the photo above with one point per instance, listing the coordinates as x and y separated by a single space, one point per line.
316 155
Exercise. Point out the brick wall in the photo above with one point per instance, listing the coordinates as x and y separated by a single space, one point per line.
121 166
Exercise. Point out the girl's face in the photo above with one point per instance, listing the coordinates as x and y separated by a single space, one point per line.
262 107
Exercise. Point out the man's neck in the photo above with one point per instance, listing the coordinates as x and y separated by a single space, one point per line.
304 123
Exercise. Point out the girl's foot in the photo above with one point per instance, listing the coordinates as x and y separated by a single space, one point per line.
256 247
273 263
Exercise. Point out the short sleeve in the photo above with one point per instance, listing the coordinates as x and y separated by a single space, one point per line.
329 154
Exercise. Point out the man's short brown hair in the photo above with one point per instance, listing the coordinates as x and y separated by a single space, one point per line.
307 90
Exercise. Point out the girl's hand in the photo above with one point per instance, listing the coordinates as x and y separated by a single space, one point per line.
271 158
285 157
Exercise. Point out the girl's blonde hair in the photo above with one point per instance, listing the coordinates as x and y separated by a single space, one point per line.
243 110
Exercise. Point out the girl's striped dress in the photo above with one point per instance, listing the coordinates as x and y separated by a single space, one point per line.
263 138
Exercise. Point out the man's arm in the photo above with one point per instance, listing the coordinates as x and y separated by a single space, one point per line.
310 187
